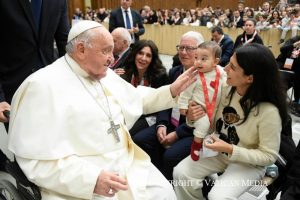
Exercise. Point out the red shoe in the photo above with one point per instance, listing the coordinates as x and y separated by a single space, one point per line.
195 150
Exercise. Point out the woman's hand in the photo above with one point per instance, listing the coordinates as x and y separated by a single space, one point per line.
219 145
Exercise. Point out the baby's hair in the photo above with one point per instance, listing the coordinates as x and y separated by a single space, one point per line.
265 16
213 46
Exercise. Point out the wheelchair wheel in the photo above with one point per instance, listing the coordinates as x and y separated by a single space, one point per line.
8 191
2 197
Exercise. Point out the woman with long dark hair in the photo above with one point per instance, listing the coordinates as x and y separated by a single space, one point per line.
248 124
144 66
275 19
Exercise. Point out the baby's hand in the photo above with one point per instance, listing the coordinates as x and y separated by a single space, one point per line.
183 111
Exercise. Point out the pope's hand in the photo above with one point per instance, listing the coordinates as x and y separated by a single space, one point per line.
109 183
4 106
183 81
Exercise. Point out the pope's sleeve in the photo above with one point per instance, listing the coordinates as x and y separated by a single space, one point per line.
155 100
71 176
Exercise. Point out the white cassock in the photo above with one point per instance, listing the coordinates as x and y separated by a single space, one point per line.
58 132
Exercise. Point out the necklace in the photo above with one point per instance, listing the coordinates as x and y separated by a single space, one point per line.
113 127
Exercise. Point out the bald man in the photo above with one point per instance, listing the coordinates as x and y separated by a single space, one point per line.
122 42
76 145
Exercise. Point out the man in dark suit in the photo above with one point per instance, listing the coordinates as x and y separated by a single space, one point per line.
127 18
178 136
225 42
122 42
30 29
237 21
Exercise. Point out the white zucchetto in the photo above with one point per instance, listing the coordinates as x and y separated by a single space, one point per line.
81 27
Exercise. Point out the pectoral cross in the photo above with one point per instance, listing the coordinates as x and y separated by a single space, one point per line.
114 130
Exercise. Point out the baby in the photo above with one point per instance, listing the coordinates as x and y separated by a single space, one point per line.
206 91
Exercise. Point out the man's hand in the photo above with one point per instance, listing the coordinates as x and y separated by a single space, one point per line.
195 111
183 81
109 183
297 44
135 29
4 106
170 139
119 71
161 134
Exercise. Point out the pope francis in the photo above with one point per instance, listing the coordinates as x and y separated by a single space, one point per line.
70 120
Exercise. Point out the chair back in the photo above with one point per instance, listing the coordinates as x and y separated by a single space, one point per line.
287 78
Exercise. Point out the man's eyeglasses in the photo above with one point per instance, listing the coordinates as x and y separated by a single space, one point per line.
188 49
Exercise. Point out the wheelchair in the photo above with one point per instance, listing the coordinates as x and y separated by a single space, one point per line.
8 190
287 77
13 183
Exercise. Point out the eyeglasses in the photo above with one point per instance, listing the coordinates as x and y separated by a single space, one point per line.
188 49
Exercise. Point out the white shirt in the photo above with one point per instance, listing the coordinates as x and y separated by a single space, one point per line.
130 17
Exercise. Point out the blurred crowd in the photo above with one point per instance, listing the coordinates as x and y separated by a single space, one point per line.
283 16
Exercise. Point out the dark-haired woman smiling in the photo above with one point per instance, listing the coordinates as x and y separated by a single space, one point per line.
248 122
145 68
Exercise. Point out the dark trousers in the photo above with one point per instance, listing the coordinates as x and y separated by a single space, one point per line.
297 86
291 188
176 153
147 140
